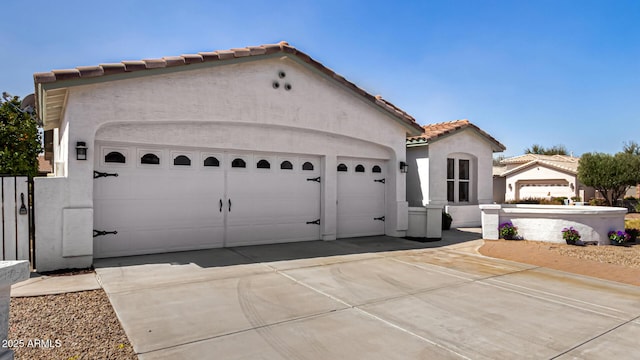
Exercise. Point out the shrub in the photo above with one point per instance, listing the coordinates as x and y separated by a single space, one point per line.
576 198
633 234
638 207
597 202
630 198
618 237
508 231
570 235
446 221
559 200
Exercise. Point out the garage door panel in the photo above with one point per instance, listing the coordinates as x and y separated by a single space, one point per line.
360 199
272 205
136 242
257 234
170 208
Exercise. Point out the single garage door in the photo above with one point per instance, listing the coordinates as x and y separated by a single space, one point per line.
361 197
272 199
173 200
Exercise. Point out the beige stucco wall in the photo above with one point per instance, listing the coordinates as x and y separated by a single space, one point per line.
226 106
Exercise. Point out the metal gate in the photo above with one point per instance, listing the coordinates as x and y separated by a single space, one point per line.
16 212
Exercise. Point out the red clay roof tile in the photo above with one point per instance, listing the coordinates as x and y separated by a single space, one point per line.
262 50
433 132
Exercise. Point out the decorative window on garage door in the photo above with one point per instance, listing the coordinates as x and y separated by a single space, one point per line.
342 167
359 168
211 161
307 166
182 160
376 169
286 165
150 158
238 163
263 164
115 157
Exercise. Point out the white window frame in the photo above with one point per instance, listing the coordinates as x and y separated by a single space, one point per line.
457 180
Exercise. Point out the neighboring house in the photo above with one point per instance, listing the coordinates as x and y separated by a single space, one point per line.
236 147
634 191
450 164
542 176
499 184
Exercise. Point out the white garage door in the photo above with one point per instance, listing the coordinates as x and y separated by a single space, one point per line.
173 200
361 197
538 191
274 199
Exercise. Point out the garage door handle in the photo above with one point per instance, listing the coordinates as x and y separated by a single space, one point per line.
220 205
229 205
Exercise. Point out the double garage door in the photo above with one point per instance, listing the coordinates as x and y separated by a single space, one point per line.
173 200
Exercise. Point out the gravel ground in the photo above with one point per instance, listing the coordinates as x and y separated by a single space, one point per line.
73 326
628 256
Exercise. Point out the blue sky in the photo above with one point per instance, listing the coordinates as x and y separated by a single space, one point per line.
537 71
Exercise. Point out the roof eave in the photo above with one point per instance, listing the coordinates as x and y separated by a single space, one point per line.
58 79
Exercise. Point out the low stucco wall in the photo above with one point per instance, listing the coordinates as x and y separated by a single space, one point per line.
425 222
545 222
464 215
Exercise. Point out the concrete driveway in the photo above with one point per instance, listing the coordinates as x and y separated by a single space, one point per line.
366 298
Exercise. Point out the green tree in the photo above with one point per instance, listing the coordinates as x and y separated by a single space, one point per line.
631 147
19 139
611 175
541 150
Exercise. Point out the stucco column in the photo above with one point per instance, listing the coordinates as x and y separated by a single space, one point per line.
329 203
490 221
11 272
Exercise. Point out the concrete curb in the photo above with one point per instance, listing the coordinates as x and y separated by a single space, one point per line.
51 285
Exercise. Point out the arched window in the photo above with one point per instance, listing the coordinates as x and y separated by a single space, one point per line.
263 164
286 165
211 161
359 168
114 157
182 160
307 166
342 167
376 169
238 163
149 158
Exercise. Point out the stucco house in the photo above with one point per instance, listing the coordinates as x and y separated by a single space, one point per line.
450 164
226 148
542 176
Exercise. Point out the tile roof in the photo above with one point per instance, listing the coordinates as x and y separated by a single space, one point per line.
521 159
434 132
560 162
123 67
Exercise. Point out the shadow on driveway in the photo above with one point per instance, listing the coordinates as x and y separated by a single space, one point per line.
290 251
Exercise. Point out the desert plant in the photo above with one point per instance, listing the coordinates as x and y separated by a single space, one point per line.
570 235
446 221
618 237
638 207
576 198
508 231
597 202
